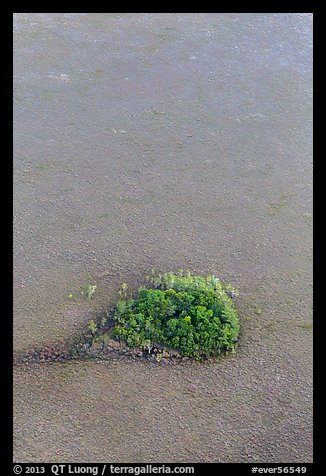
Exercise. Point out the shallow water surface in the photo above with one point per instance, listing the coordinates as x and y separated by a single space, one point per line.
167 141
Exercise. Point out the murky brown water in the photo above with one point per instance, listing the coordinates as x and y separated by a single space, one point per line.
171 141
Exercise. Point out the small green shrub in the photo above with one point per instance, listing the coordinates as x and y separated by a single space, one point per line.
192 314
90 291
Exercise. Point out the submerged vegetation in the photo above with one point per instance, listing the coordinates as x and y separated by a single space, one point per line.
174 316
191 314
